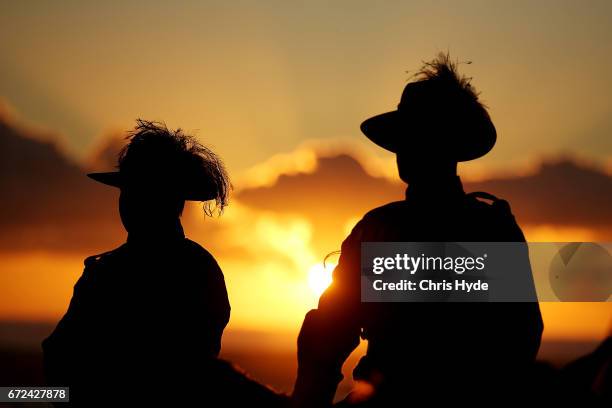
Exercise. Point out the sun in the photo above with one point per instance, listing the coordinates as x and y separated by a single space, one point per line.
320 277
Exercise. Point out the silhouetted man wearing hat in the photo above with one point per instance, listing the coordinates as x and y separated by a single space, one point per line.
430 352
146 319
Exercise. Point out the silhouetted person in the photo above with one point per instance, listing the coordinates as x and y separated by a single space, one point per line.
146 319
430 352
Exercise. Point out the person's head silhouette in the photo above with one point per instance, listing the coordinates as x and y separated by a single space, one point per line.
439 122
158 170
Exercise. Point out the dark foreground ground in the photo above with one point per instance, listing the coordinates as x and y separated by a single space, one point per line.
267 357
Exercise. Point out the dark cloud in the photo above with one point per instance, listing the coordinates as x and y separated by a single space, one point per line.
47 202
105 156
560 193
337 191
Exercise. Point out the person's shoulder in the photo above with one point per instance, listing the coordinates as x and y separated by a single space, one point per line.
378 216
494 214
196 248
489 204
384 211
202 265
198 252
104 257
97 267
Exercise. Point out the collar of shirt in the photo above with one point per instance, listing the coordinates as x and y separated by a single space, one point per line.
158 235
441 191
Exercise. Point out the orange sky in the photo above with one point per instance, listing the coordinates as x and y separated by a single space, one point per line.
271 240
261 78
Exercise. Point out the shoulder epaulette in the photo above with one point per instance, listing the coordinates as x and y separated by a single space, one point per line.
92 260
498 204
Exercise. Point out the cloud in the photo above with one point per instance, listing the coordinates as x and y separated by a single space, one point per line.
266 242
104 156
561 192
47 201
336 191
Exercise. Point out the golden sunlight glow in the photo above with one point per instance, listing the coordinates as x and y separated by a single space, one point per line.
320 277
553 233
302 160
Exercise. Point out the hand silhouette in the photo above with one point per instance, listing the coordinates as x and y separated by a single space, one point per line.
324 343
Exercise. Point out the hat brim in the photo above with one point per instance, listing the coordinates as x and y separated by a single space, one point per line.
384 130
115 179
112 178
396 133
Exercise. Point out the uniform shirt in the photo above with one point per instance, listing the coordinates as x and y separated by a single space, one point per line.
149 312
434 346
